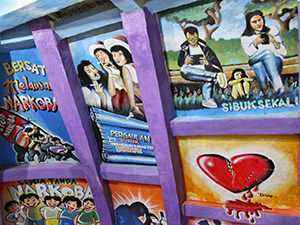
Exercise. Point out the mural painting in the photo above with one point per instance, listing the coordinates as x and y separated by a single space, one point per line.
228 57
248 174
31 128
48 201
111 89
137 204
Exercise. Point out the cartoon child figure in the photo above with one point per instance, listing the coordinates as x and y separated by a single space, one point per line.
51 211
240 83
32 208
69 211
88 216
15 213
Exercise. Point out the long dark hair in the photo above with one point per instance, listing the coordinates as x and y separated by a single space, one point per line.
108 53
243 72
140 209
84 78
126 53
249 30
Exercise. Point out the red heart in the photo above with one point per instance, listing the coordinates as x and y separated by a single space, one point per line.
240 173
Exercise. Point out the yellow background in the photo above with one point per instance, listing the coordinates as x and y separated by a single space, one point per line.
282 185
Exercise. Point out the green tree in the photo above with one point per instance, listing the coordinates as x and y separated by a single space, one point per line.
283 11
201 15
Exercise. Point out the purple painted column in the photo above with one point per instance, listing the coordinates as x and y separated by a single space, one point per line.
58 62
143 36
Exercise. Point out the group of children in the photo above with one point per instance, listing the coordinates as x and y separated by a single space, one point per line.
53 211
38 147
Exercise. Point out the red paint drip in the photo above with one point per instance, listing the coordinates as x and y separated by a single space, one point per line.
244 197
236 215
249 208
255 188
249 194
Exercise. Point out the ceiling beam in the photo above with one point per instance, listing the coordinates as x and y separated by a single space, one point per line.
129 6
32 11
155 6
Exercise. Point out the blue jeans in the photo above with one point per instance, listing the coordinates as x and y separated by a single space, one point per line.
34 222
64 221
267 66
196 74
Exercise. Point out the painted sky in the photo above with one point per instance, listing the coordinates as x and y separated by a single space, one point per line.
232 19
11 5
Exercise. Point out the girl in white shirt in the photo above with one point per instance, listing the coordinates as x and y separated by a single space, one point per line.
266 50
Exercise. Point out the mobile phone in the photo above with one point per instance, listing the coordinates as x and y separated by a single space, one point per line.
197 59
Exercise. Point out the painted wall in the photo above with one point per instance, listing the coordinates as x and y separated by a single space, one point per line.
113 98
47 201
240 172
27 101
251 88
137 203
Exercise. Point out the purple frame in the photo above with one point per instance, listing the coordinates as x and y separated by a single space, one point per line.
132 174
39 171
143 36
58 62
185 127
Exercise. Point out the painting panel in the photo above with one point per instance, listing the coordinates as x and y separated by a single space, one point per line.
111 90
31 128
228 58
48 201
241 173
137 204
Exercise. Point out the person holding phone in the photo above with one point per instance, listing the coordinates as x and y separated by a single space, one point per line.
199 63
266 50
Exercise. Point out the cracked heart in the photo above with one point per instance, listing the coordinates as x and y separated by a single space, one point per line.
240 173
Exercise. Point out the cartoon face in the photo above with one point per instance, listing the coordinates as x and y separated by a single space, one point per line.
71 206
88 205
119 58
52 203
257 23
14 208
92 72
237 75
102 56
31 202
192 38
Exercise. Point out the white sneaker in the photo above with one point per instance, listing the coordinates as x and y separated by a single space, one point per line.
210 103
222 80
